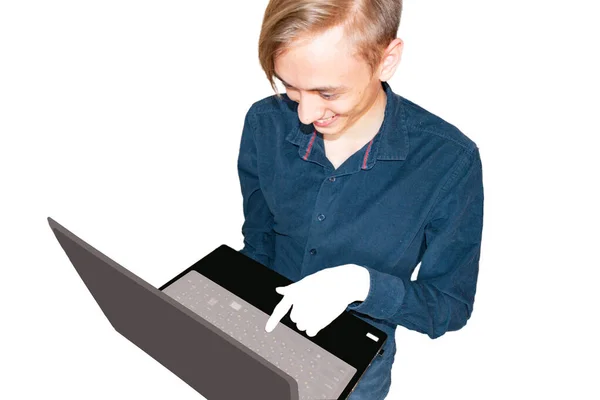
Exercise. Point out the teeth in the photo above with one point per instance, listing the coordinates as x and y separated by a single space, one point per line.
326 119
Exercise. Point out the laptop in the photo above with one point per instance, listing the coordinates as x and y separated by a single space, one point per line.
207 326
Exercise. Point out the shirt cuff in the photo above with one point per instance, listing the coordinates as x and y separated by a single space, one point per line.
385 296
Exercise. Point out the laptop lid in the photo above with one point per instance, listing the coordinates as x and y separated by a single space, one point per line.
201 355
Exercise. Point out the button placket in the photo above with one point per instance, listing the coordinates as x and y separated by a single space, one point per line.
309 264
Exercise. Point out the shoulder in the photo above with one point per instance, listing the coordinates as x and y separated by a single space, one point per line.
273 117
273 105
422 124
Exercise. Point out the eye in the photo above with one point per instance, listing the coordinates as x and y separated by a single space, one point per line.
328 96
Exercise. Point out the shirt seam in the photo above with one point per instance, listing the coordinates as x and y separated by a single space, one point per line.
253 130
465 146
269 111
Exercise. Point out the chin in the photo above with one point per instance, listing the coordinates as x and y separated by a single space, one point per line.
326 132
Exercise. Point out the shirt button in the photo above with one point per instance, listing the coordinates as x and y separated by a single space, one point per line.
321 217
313 252
332 179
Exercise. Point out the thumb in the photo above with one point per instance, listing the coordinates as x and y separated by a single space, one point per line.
282 289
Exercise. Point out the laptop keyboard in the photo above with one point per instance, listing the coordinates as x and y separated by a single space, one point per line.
320 374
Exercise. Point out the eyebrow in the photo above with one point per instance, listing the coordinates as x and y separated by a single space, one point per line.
327 89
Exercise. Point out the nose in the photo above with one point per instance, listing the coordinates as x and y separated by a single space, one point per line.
310 109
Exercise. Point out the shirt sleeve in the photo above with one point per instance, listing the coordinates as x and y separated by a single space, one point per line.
257 228
441 298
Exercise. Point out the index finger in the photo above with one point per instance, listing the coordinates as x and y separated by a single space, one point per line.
279 312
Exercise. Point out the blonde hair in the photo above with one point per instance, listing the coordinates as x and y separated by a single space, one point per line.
369 24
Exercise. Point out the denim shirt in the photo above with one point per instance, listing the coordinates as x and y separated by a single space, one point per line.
413 194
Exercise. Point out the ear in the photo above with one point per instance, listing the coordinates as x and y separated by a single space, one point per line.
391 59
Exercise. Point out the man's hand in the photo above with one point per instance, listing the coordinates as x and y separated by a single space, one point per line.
320 298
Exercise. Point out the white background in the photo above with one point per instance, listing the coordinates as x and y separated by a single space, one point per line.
121 120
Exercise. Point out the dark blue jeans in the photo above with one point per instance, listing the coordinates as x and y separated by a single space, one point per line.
375 383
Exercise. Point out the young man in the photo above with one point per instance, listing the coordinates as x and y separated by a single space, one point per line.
347 186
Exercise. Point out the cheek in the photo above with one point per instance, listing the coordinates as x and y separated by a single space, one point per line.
343 108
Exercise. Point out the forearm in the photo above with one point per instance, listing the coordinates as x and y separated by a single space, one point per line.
424 307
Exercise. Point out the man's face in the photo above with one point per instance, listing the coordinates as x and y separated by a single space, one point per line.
326 80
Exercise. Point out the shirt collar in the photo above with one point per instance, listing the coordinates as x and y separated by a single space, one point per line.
390 143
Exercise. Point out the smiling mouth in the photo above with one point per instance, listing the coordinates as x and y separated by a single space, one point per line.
326 119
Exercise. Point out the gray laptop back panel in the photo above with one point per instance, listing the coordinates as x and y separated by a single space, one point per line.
211 362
